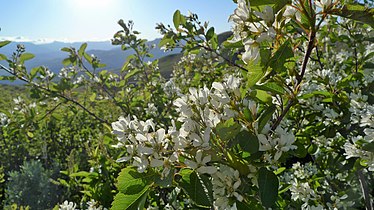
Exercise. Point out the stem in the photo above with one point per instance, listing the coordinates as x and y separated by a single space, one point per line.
290 103
50 111
102 86
365 190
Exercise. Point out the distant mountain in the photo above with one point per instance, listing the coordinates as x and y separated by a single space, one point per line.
51 56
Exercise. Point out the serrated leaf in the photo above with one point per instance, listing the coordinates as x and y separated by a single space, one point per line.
196 187
268 187
130 202
4 43
130 181
133 189
177 19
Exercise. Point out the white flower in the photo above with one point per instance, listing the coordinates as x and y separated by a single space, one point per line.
200 164
324 4
203 142
67 206
290 12
241 13
141 163
252 52
226 183
302 191
267 14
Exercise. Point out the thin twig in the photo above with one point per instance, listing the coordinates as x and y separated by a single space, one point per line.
51 92
50 111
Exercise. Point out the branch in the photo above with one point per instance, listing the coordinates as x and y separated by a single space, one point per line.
102 87
51 92
50 111
312 36
365 190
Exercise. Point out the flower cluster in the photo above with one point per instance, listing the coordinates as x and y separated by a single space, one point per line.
259 25
226 183
91 205
276 143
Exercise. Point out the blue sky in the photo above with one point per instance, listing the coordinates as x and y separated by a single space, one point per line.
88 20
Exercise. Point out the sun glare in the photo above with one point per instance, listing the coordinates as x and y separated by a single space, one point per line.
91 4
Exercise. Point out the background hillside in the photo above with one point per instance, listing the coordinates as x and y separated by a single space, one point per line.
51 56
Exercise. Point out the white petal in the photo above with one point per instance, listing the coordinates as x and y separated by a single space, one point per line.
207 170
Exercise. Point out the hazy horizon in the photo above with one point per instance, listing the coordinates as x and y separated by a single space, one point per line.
43 21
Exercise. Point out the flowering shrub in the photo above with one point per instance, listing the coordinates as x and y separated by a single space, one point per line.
280 115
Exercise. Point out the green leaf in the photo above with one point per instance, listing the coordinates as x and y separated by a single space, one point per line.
34 71
87 57
130 202
255 73
26 56
177 18
3 57
66 49
196 187
228 130
66 62
133 189
82 49
248 141
209 34
280 57
276 4
132 73
93 97
263 96
80 174
272 87
3 43
265 117
29 134
8 78
356 12
268 186
130 181
369 147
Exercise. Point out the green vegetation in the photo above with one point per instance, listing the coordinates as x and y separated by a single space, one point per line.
277 114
